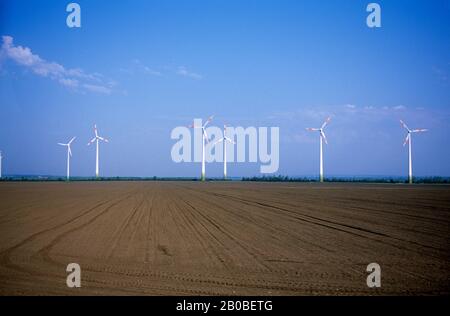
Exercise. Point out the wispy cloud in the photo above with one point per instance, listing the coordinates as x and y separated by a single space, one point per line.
71 83
96 88
75 78
183 71
139 67
442 73
150 71
350 121
399 107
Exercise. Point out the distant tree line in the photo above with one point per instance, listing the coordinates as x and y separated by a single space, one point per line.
280 178
277 178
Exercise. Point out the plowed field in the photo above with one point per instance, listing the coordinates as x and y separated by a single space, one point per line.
223 238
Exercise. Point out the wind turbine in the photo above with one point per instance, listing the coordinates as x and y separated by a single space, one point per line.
69 154
224 139
323 138
96 139
1 157
204 137
408 140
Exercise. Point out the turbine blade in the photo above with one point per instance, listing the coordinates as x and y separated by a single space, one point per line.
218 141
419 130
192 125
62 144
73 138
208 120
92 140
205 135
70 152
322 134
95 130
405 126
312 129
326 122
230 140
406 139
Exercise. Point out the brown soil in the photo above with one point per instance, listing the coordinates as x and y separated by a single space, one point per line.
223 238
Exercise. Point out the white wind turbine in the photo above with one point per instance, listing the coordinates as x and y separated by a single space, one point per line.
204 137
323 138
224 139
69 154
408 140
1 157
96 139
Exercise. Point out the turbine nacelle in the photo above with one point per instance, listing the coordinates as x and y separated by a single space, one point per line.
68 145
225 138
97 137
321 130
410 131
203 127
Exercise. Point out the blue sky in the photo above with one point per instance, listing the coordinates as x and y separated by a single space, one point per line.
142 68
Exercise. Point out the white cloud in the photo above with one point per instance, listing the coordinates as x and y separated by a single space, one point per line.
182 71
348 123
67 77
138 66
97 88
71 83
151 71
441 73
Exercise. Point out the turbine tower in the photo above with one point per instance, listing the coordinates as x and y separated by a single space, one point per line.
224 139
69 154
204 138
96 139
1 157
323 138
408 140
